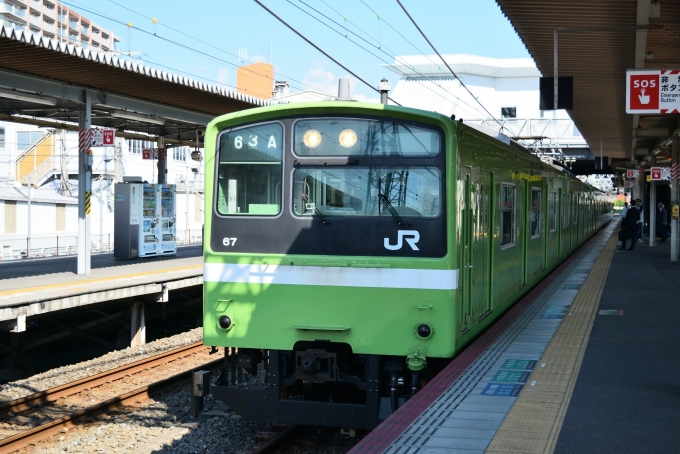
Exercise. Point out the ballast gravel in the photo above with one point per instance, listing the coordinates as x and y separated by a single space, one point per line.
163 425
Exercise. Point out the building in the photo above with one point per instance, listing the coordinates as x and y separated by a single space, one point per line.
255 80
54 20
508 91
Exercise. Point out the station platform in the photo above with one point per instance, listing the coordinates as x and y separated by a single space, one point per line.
588 361
39 286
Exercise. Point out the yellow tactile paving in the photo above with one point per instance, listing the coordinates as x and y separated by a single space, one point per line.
534 422
98 280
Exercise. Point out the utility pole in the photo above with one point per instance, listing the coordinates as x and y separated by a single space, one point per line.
28 206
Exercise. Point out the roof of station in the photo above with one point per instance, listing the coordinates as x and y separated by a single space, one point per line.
48 60
427 65
597 42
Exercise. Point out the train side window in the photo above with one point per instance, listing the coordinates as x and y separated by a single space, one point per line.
535 212
507 215
552 211
574 208
565 211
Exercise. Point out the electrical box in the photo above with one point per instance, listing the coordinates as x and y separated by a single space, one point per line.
144 220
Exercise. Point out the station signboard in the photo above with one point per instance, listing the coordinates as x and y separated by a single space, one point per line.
103 137
154 153
632 173
653 91
628 184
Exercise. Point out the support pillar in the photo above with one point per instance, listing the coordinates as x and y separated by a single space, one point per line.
652 208
84 187
675 199
18 365
162 161
137 325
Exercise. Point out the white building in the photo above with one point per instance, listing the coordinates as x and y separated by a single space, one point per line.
51 19
49 158
503 96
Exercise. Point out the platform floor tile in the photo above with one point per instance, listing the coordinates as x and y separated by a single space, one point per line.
469 414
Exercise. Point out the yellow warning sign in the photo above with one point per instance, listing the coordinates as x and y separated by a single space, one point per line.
87 202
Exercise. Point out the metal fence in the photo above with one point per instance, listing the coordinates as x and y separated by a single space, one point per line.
58 245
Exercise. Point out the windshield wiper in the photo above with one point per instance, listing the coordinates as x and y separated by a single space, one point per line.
387 204
308 203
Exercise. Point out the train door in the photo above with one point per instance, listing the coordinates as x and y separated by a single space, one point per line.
523 237
481 243
466 266
559 223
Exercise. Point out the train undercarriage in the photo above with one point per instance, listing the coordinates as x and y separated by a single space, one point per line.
318 383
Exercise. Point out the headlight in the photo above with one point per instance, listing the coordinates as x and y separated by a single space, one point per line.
312 138
347 138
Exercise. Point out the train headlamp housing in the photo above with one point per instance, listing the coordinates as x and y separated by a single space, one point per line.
424 330
347 138
312 138
225 323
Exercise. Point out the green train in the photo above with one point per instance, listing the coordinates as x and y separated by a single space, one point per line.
353 249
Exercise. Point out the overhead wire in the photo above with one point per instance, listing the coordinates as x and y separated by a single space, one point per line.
178 44
396 58
201 41
447 65
319 49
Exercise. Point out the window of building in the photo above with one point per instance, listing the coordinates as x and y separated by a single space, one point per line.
26 138
535 212
10 216
507 215
552 211
61 217
508 112
179 153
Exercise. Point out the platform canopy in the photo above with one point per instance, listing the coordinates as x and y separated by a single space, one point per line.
42 82
598 41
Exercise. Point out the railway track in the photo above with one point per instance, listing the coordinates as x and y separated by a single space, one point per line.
43 414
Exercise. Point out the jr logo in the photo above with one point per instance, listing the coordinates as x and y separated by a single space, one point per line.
411 237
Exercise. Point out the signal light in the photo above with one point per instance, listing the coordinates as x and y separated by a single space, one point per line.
424 331
224 322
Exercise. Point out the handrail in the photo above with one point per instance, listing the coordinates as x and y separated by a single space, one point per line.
54 167
33 146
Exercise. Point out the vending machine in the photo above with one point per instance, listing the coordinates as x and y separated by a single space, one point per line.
168 219
144 219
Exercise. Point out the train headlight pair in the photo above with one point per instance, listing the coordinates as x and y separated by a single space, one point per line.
347 138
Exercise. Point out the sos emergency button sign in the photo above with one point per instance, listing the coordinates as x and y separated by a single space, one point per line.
656 91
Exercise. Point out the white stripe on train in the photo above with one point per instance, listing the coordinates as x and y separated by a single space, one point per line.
331 276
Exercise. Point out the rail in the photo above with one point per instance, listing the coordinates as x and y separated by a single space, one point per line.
111 388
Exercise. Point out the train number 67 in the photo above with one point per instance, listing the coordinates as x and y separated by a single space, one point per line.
229 241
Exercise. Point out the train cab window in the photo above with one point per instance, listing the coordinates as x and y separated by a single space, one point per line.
364 137
367 191
552 211
507 215
250 170
535 212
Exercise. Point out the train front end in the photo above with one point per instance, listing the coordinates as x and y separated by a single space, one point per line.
329 273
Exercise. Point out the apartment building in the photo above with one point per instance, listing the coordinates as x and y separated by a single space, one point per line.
51 19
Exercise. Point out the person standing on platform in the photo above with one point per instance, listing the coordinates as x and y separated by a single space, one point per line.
640 222
624 211
630 224
661 223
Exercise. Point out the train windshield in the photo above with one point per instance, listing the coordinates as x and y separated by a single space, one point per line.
363 137
367 191
250 169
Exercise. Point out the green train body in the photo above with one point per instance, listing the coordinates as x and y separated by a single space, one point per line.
350 272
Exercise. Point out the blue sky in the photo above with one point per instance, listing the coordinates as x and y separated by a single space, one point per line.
454 26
